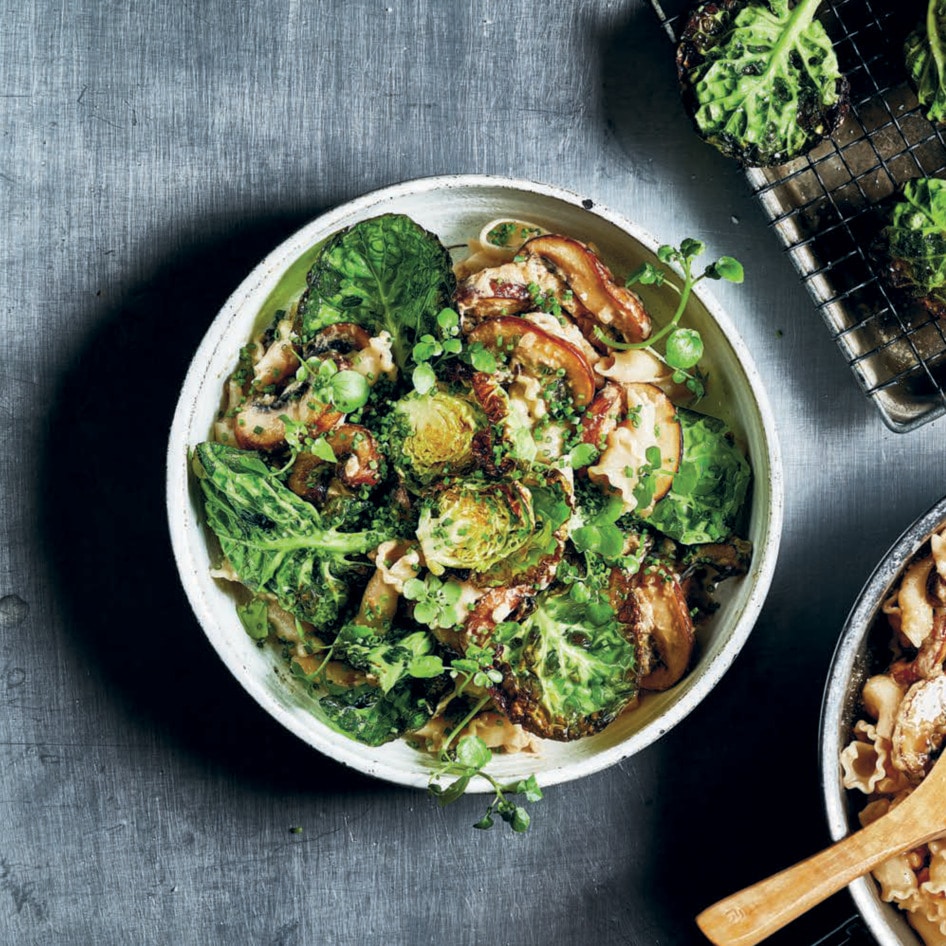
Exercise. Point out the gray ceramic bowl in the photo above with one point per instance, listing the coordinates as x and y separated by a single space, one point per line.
849 670
456 208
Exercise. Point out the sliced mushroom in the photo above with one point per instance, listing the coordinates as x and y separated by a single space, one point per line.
359 463
259 425
342 338
728 559
508 289
611 305
540 354
494 607
279 360
664 629
604 413
920 727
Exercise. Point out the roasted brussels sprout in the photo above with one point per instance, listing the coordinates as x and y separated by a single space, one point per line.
568 668
474 525
432 435
760 78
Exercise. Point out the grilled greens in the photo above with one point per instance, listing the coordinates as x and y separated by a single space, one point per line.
760 78
438 515
925 53
914 243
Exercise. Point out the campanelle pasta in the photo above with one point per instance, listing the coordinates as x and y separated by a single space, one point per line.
898 735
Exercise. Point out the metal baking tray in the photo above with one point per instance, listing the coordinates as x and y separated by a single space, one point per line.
828 207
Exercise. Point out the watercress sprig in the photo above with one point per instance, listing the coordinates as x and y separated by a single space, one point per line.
684 346
429 350
471 755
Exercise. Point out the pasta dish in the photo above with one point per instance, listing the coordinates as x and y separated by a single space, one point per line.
469 500
901 730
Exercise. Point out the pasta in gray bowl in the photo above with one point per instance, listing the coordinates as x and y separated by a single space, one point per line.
877 737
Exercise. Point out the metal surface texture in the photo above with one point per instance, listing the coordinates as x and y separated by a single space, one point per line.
151 155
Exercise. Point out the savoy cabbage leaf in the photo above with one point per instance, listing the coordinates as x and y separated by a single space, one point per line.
710 486
925 54
567 667
385 274
761 78
277 542
916 241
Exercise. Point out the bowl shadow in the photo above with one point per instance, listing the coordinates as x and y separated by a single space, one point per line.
104 522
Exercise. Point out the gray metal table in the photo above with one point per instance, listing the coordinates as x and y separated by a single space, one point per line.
150 154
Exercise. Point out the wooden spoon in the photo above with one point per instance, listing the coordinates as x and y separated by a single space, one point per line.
752 914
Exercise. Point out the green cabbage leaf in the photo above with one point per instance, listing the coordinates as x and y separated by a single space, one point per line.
709 489
925 54
385 274
916 240
568 669
761 78
275 541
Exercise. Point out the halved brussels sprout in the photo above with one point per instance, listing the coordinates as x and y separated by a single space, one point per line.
536 560
434 434
568 668
474 525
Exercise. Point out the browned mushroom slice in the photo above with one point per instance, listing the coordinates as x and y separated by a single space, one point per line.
279 360
611 305
340 337
494 607
664 629
508 289
626 465
358 463
920 727
606 411
259 424
540 354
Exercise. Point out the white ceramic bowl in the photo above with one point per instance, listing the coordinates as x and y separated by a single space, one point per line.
455 208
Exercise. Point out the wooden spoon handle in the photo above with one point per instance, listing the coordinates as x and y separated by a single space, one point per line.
752 914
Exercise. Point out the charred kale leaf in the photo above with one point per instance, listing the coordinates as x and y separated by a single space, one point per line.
384 274
925 54
760 78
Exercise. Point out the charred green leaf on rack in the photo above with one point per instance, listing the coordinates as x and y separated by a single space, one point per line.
913 245
925 54
760 78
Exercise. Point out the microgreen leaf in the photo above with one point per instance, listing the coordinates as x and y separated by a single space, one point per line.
323 450
684 348
582 455
726 268
423 378
349 391
473 753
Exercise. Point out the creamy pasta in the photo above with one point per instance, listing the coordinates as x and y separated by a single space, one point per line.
901 730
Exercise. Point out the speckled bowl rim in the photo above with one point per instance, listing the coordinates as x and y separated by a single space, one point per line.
187 536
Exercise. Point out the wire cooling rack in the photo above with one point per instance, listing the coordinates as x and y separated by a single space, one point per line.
828 208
